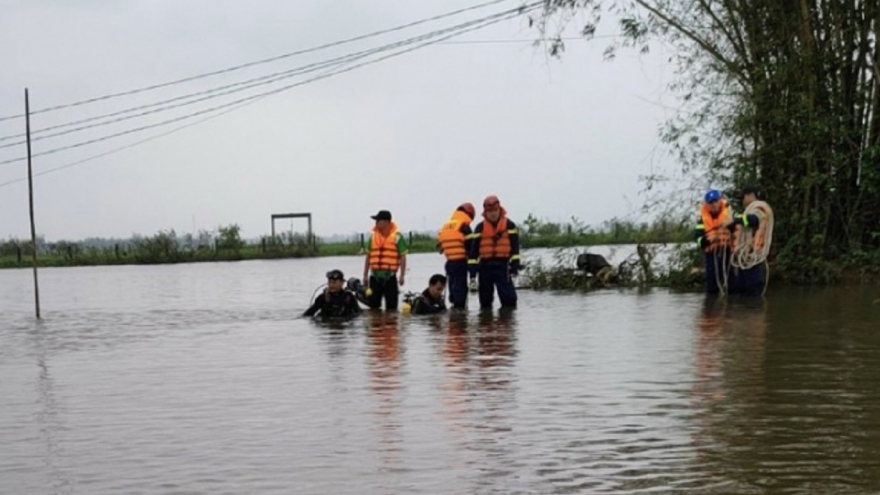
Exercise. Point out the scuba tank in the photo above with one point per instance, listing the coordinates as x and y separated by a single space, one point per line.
408 300
356 287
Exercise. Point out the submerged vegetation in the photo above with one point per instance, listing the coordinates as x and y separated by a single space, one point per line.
782 95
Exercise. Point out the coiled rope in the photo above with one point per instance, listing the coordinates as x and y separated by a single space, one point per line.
745 255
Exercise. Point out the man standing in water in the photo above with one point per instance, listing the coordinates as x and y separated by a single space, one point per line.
386 254
495 255
712 235
751 242
455 242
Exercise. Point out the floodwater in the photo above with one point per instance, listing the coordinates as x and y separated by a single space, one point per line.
190 379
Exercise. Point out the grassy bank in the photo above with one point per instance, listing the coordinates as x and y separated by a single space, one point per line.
226 244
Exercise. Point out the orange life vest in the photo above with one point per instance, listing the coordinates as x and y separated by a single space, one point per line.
718 236
495 239
450 237
383 250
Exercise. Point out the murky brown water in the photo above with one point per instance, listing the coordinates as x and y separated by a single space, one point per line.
200 379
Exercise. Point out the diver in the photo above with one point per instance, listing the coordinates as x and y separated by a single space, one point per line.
430 301
336 301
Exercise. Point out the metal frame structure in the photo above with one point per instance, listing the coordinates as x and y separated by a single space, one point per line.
307 216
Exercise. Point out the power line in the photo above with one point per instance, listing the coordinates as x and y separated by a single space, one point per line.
258 62
218 91
247 84
485 22
457 31
122 148
566 38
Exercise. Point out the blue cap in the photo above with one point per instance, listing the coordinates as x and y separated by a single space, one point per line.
712 195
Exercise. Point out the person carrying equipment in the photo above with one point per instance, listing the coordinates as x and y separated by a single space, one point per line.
334 302
712 235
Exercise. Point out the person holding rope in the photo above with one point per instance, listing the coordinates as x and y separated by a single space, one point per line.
753 234
713 236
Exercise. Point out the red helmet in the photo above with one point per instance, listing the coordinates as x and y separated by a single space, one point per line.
491 201
468 208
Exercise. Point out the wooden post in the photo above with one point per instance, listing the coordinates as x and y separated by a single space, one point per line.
27 119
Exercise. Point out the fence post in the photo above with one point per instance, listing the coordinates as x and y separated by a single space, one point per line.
18 253
410 239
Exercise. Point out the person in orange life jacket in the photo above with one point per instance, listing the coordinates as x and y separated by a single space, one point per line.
749 281
334 302
386 255
430 301
712 235
495 255
455 242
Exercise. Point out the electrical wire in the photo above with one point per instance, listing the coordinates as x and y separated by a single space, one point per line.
239 86
257 62
249 100
121 148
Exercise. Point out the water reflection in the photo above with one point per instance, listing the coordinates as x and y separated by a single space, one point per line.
385 361
47 415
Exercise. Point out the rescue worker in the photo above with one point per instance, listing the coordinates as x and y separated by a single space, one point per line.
712 235
455 243
431 301
494 255
386 255
334 302
750 281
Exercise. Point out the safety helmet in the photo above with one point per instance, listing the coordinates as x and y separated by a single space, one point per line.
468 208
712 196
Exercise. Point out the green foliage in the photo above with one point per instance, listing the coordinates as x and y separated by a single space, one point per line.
782 95
539 233
229 238
639 270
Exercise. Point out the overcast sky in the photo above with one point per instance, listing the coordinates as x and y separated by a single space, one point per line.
416 134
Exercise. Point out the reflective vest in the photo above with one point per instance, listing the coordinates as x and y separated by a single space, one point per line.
495 240
450 237
383 250
717 235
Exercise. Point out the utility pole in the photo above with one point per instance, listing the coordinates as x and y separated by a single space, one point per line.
27 117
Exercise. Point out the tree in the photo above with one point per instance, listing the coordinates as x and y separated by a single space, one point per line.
782 94
229 238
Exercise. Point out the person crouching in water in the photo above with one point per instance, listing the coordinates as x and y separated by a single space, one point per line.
334 302
431 301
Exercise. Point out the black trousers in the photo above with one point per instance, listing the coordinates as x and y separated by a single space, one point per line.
383 288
